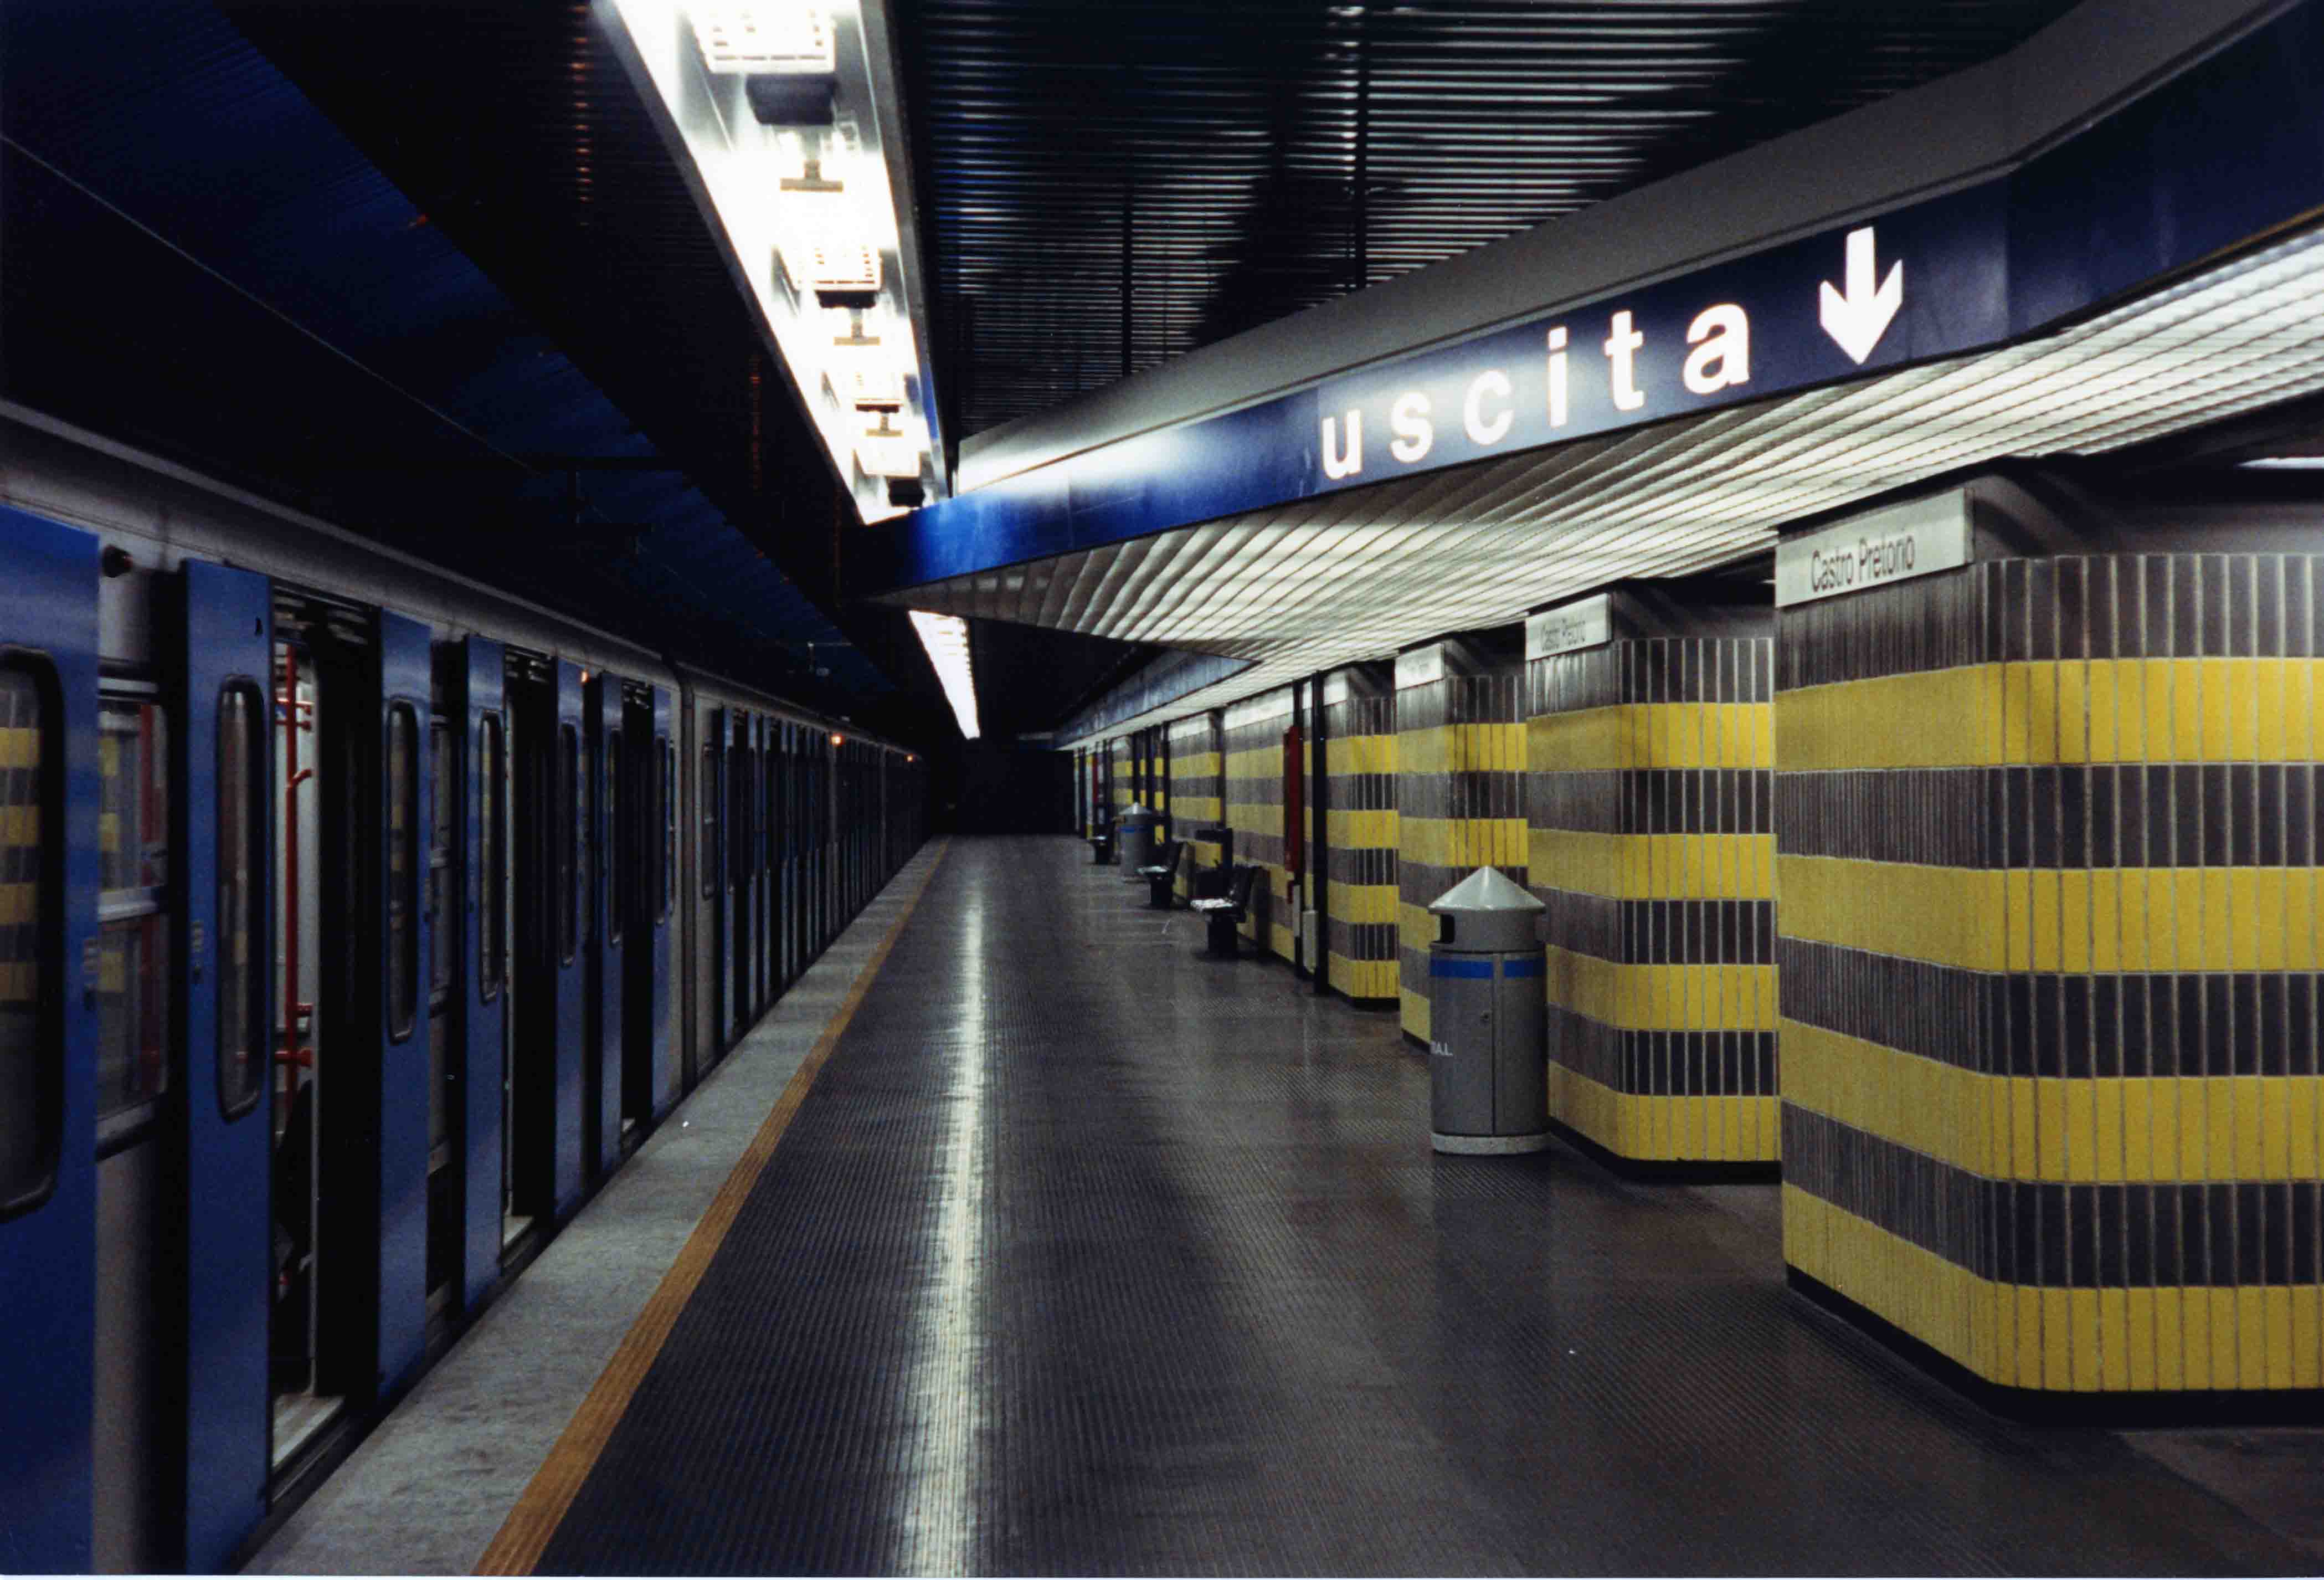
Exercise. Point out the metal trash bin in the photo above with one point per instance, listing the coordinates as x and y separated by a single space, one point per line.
1133 839
1489 1049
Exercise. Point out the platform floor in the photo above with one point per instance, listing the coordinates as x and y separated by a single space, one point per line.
1083 1254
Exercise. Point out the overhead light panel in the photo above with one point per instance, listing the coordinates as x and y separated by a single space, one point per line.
790 116
945 638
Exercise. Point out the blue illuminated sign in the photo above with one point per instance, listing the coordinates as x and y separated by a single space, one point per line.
2228 151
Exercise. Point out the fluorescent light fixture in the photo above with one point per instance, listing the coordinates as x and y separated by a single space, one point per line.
2286 464
788 120
946 637
779 40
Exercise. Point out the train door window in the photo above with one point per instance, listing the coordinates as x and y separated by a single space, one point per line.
617 901
241 826
585 839
31 1051
402 872
668 827
706 855
491 860
444 771
133 938
568 784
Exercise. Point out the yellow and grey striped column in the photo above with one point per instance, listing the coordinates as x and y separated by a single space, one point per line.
1460 791
1361 832
1650 759
1254 793
2048 836
1194 796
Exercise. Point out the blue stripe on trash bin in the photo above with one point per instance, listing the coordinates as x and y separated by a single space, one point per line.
1439 966
1527 965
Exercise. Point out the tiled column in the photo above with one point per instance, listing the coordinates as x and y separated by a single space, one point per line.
1650 763
1254 779
1460 791
1360 756
1195 789
2048 837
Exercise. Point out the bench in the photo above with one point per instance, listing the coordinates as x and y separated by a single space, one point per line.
1225 914
1161 874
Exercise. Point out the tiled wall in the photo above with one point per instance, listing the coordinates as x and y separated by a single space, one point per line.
1360 833
1196 798
1254 796
1648 798
1460 804
2048 837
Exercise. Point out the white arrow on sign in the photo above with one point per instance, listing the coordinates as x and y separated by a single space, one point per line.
1857 319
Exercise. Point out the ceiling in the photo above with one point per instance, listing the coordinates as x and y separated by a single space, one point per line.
1111 186
195 261
1308 586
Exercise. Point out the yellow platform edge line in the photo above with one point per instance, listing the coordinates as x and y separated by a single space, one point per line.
524 1536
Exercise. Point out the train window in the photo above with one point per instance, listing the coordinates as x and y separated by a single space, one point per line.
617 899
568 834
133 963
30 1051
442 769
402 870
584 855
241 834
738 803
491 860
668 827
706 855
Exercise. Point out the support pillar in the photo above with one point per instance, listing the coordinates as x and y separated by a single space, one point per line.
1650 756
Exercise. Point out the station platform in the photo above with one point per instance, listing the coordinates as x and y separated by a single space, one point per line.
1022 1239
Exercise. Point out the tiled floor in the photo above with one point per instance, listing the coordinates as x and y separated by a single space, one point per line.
1088 1255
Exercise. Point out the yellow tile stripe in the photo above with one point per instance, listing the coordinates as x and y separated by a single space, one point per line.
1363 979
1950 915
1462 748
1352 755
1363 904
1652 735
1664 997
2098 710
1654 866
2104 1131
2062 1340
1462 842
524 1536
1666 1130
2100 920
1373 830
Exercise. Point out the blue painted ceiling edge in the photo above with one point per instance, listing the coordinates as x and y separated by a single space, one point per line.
2226 151
156 136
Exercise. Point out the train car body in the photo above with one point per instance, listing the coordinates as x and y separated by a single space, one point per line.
357 922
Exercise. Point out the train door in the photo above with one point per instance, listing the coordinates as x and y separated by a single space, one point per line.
547 1083
794 922
447 1048
224 763
710 869
738 875
402 1094
762 840
608 915
485 881
49 875
650 1042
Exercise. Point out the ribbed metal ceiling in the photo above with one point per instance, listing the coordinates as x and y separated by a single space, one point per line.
1114 185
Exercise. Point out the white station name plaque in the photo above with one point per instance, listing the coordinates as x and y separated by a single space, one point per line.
1917 537
1420 666
1587 624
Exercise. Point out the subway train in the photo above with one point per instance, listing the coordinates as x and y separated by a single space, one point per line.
355 922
